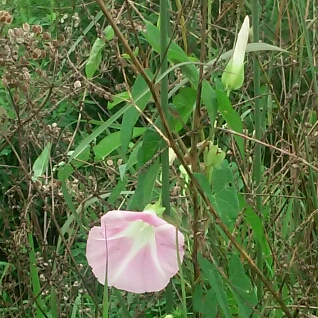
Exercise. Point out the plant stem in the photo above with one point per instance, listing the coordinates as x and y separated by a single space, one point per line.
164 29
258 135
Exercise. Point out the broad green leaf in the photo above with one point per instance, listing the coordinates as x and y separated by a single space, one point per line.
117 190
150 145
145 185
211 273
251 47
82 158
85 143
254 221
225 199
132 160
95 58
141 96
240 284
222 203
205 304
184 102
174 54
224 196
117 99
111 142
41 162
231 117
109 33
208 97
197 299
65 171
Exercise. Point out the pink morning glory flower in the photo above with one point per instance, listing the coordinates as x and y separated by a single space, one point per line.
137 249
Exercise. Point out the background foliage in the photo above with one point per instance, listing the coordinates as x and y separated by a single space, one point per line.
78 138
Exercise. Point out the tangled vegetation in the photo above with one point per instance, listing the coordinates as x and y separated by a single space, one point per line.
82 132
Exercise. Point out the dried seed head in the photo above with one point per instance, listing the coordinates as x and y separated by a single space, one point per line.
55 43
4 82
26 27
23 60
9 19
46 36
62 39
36 53
11 33
77 84
24 87
39 72
17 32
5 17
37 29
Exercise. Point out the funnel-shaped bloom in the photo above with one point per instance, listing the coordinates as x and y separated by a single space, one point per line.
137 249
233 75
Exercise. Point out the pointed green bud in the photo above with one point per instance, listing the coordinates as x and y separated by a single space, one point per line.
233 75
156 208
213 156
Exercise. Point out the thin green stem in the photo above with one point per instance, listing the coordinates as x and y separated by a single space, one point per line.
258 134
35 280
164 31
105 302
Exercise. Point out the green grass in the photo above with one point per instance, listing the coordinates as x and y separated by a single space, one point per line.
250 224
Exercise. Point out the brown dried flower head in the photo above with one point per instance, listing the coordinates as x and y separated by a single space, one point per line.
5 17
37 29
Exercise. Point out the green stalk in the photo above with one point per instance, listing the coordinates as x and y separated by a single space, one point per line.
164 31
209 27
105 301
302 13
258 134
35 280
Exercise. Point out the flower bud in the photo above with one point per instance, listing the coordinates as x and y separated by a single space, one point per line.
213 156
233 75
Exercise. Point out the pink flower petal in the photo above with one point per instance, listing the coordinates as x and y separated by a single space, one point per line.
142 255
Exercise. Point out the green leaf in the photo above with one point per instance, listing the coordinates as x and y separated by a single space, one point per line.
119 98
141 96
251 47
174 54
208 97
65 171
85 143
224 196
241 286
225 200
131 161
184 102
204 304
145 185
211 273
95 58
150 145
109 33
256 224
111 142
232 118
41 162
